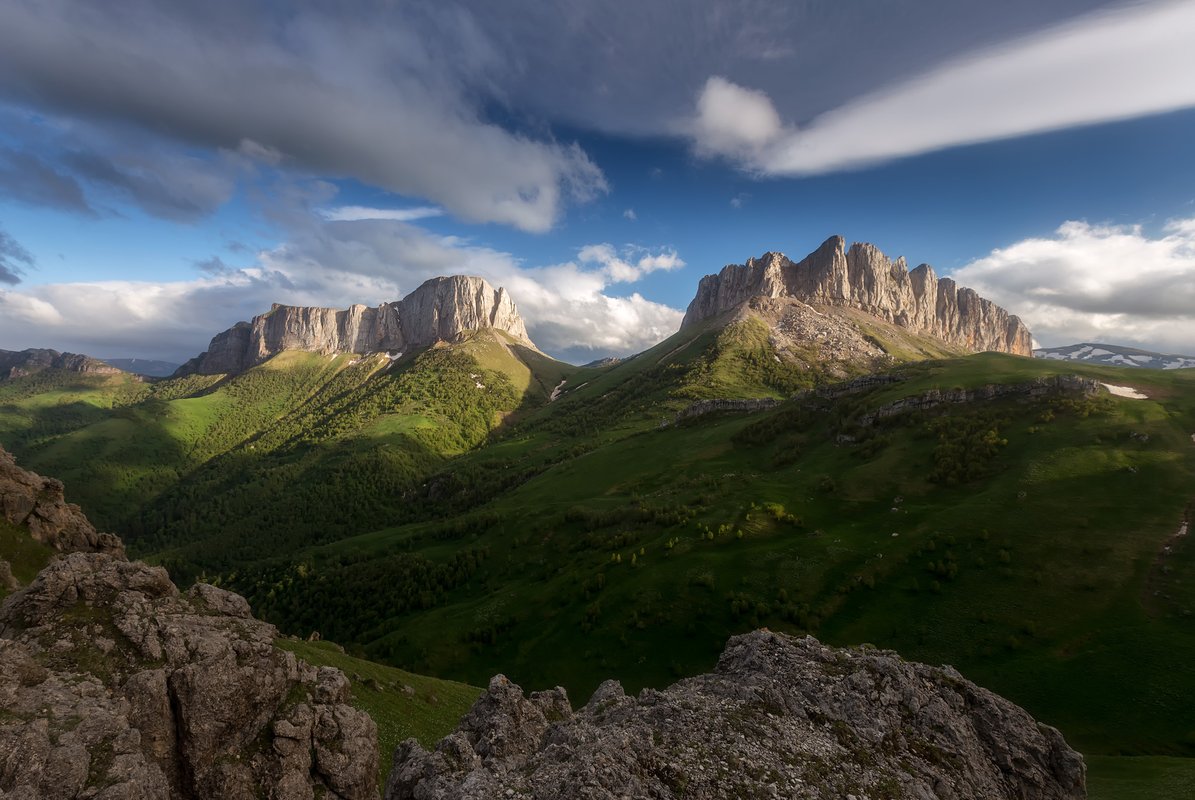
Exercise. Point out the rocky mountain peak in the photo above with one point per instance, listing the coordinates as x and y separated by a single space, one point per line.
862 277
440 309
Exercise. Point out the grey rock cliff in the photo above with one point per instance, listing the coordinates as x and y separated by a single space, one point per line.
115 686
18 363
779 717
864 278
441 309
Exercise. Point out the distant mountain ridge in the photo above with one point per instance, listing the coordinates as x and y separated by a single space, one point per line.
1114 355
18 363
864 278
441 309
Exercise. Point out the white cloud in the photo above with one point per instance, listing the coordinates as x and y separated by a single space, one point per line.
734 121
1106 66
352 213
630 214
631 265
568 309
1109 283
740 199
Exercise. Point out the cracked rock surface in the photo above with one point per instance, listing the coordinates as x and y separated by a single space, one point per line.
779 717
115 685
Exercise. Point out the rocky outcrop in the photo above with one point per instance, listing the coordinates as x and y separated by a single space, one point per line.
1043 386
713 406
38 504
779 717
17 364
439 310
114 685
864 278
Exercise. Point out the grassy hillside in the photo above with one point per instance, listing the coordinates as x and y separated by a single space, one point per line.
208 471
441 515
1022 541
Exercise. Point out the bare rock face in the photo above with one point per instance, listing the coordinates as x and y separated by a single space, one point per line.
779 717
864 278
16 364
38 504
439 310
113 685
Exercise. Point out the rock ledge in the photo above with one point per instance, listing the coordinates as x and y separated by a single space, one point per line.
779 717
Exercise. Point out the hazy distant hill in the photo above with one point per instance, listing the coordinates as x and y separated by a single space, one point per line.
1114 355
143 366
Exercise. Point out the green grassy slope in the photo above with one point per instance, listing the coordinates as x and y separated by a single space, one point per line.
25 556
461 532
1027 547
203 472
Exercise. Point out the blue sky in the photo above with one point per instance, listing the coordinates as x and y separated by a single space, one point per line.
165 172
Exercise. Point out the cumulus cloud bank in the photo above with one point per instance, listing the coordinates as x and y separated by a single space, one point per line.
570 309
1097 283
1106 66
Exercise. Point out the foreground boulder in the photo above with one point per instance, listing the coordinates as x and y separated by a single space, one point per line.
113 685
779 717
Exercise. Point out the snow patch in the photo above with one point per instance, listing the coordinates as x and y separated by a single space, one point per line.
394 356
1125 391
556 392
1099 351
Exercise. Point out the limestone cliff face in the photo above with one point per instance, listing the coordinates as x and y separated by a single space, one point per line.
439 310
864 278
16 364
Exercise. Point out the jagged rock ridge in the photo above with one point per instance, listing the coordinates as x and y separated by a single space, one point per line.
441 309
864 278
18 363
779 717
115 686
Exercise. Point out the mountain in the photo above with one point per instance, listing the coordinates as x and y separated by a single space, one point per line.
440 310
1114 355
863 278
15 364
475 507
143 366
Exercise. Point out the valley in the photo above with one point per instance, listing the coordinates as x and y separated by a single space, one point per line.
476 507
